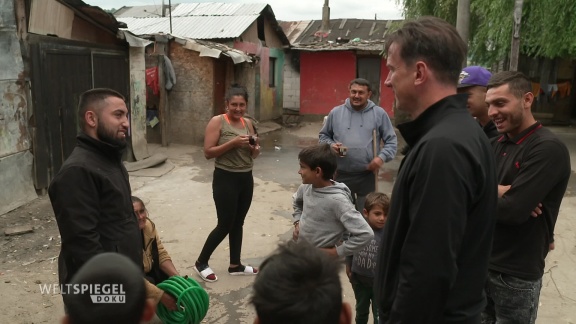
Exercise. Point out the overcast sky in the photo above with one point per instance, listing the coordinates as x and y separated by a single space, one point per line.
291 9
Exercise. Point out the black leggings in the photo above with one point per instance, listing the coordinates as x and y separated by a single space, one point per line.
232 192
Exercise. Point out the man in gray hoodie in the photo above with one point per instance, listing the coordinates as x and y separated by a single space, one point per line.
351 125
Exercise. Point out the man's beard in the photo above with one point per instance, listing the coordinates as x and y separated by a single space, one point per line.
106 136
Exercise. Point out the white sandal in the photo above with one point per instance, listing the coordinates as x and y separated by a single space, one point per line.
205 273
248 271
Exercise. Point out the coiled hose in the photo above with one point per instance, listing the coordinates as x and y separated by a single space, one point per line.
192 301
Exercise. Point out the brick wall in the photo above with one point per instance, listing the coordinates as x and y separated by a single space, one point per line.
191 99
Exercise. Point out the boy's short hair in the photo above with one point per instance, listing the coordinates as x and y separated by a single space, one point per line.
320 156
114 270
298 284
377 199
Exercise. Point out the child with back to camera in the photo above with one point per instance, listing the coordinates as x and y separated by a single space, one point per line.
360 266
323 208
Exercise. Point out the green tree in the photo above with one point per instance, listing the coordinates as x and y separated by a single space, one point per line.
548 26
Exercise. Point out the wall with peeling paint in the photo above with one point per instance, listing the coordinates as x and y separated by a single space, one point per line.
291 84
14 136
268 100
16 185
271 98
138 103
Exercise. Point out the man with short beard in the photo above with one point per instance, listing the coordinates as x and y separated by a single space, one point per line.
91 194
533 169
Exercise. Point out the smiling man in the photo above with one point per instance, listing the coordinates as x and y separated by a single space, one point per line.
91 193
473 81
533 168
351 125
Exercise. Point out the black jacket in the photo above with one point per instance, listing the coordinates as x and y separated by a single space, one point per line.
90 196
433 260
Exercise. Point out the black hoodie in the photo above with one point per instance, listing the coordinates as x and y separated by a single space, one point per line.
91 198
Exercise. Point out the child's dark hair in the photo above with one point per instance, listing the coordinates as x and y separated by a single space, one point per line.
320 156
298 284
236 90
377 199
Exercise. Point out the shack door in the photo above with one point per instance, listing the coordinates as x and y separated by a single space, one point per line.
60 73
369 68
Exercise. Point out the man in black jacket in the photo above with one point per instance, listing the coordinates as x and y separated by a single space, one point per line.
91 193
533 168
433 259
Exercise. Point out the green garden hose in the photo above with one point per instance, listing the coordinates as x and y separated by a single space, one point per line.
191 298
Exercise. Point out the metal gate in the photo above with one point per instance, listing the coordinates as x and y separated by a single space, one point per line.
60 73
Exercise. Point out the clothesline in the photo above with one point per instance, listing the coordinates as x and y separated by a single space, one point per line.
562 89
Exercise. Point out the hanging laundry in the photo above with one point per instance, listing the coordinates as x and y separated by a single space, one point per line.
536 89
152 80
552 90
564 89
170 75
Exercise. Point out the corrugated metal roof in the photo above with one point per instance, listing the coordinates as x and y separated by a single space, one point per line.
346 29
196 27
218 9
293 29
140 11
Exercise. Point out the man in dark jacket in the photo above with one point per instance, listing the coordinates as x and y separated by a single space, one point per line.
433 259
91 193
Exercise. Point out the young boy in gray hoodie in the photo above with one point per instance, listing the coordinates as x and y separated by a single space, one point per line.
323 208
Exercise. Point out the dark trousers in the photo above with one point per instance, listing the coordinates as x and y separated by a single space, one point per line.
155 275
364 294
232 192
511 300
360 184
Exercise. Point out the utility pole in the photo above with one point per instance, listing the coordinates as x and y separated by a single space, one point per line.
170 13
515 47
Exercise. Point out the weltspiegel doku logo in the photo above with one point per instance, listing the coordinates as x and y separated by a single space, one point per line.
99 293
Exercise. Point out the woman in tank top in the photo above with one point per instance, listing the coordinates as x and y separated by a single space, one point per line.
232 141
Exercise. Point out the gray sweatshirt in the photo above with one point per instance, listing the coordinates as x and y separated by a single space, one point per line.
326 213
354 129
